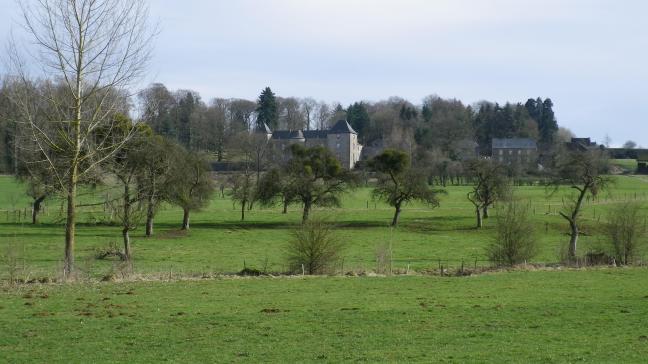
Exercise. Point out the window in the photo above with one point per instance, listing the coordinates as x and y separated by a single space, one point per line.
501 152
510 152
519 151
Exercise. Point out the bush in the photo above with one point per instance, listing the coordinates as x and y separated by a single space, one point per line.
625 231
314 247
515 240
384 259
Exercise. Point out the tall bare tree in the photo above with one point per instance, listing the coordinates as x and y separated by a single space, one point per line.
322 115
583 170
308 106
96 49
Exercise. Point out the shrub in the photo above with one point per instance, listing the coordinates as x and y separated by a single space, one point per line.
13 261
515 240
625 231
384 259
314 247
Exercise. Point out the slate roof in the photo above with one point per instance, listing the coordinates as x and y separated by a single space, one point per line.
342 127
288 134
315 134
514 143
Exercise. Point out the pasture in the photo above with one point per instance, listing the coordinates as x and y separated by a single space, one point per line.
546 316
218 242
184 314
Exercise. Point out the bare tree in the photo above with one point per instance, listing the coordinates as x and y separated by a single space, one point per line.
156 160
314 248
290 114
96 49
490 185
127 167
515 239
189 184
626 231
308 106
323 115
583 171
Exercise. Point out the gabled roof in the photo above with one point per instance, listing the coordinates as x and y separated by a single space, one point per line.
342 127
288 134
514 143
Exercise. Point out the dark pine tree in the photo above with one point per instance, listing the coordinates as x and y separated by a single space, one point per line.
547 125
267 109
358 118
186 107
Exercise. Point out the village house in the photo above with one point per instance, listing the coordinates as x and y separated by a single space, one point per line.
521 151
341 140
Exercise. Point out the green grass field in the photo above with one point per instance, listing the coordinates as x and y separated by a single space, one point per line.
561 315
546 316
220 242
626 165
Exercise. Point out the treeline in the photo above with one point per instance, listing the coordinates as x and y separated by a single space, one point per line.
441 129
438 128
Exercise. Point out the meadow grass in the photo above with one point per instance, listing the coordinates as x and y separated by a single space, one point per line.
556 315
219 242
596 315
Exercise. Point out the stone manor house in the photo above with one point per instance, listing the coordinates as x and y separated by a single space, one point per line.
341 140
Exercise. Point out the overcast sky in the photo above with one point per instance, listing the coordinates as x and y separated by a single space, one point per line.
590 57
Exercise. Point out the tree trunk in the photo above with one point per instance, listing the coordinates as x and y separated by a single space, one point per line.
486 212
70 225
185 220
573 241
285 207
150 213
127 246
573 224
480 223
307 207
243 211
149 224
126 222
36 207
396 215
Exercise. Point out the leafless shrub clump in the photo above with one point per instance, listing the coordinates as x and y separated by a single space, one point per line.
118 272
515 240
625 231
314 248
384 259
13 263
110 251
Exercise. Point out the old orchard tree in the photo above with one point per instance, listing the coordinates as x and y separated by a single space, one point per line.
313 177
399 183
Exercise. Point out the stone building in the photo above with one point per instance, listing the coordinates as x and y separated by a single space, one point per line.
341 140
520 151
